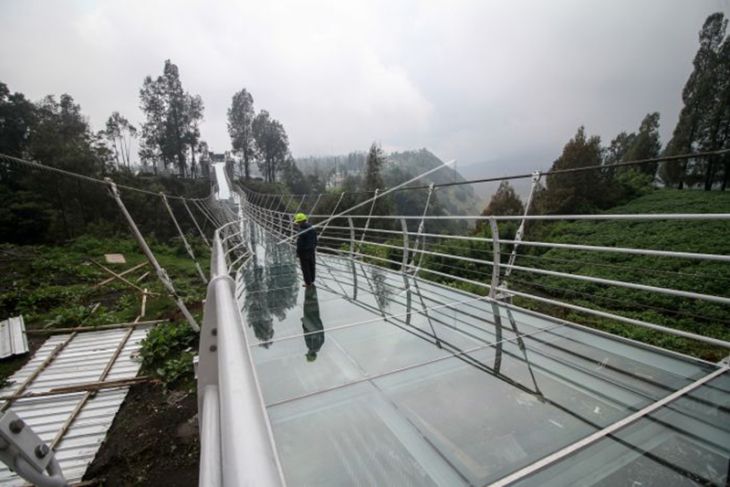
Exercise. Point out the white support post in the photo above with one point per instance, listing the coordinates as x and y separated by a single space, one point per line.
352 237
404 263
367 222
161 273
420 237
495 258
521 229
333 212
188 248
192 217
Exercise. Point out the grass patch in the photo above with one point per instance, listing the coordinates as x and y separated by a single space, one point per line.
53 286
705 277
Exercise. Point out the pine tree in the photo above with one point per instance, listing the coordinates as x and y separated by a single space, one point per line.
240 119
119 132
715 129
272 145
645 145
698 96
373 168
504 202
580 191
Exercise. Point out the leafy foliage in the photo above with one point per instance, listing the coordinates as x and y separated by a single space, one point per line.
272 145
172 122
119 132
684 274
704 122
168 351
53 286
240 120
576 192
504 202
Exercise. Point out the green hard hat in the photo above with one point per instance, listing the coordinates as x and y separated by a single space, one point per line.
300 217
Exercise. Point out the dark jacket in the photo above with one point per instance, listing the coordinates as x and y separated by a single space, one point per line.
307 241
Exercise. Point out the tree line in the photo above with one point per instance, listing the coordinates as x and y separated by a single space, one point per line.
37 206
259 138
703 126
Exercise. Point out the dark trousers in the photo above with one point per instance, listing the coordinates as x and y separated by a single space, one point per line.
307 261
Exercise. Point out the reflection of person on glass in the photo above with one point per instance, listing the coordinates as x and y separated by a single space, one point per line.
306 245
312 324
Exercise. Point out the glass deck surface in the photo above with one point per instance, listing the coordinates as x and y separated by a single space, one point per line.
376 378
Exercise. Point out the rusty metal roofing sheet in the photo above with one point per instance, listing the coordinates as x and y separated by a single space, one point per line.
13 340
82 361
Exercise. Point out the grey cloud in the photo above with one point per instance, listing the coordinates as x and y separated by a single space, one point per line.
471 80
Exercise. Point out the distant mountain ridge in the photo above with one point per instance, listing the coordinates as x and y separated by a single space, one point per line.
399 167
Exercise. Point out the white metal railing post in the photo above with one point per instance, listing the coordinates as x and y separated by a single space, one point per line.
192 217
211 471
333 212
205 213
161 273
187 246
404 227
521 229
496 256
421 237
352 236
367 222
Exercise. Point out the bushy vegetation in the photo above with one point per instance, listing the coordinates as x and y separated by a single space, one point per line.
168 351
53 286
692 315
705 277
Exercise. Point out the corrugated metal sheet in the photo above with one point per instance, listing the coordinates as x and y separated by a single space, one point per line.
82 361
13 340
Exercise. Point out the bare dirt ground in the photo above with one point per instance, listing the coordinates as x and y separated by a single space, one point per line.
153 441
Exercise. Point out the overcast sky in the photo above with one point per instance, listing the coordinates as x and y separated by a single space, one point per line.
502 83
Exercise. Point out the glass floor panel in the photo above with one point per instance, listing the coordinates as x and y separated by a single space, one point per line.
376 378
686 442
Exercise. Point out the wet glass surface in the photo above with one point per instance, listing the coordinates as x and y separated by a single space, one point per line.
375 376
684 443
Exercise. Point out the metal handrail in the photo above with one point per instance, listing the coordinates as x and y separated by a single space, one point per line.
237 445
272 218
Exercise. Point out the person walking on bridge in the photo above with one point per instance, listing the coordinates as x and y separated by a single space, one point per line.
306 247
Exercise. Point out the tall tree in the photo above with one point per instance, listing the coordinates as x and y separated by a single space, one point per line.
504 202
204 159
616 151
176 122
374 180
240 120
294 179
698 98
152 103
373 168
580 191
272 145
17 116
645 145
194 106
715 129
172 119
119 132
61 138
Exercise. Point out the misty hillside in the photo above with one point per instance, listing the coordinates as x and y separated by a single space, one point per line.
400 167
